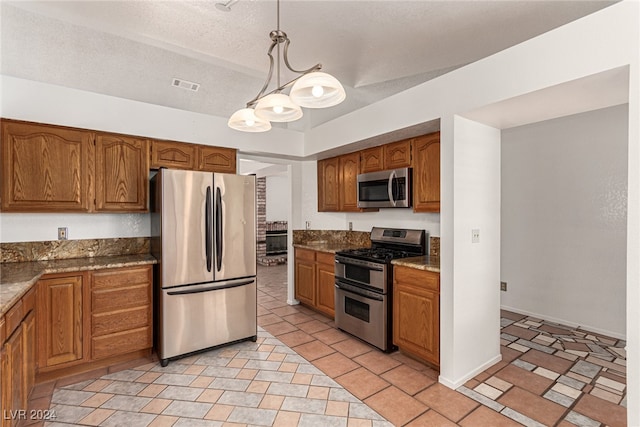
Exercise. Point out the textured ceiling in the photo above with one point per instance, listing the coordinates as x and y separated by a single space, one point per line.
133 49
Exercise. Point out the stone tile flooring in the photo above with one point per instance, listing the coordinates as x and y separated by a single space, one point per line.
550 375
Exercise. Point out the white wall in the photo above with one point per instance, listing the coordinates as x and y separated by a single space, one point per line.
278 198
23 227
470 333
564 219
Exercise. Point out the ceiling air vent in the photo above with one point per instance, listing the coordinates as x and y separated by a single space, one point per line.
183 84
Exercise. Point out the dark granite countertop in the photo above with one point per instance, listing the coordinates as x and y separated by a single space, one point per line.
427 263
16 278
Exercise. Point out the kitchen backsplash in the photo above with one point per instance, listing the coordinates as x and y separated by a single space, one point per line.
64 249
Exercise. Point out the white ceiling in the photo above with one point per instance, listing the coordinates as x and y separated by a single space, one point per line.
133 49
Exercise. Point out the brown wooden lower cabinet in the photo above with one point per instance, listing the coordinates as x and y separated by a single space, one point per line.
121 315
88 319
60 320
17 362
314 280
69 323
416 313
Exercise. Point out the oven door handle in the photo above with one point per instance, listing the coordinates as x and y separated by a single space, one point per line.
369 265
358 291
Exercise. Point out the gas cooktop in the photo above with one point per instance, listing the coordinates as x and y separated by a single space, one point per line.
388 244
376 254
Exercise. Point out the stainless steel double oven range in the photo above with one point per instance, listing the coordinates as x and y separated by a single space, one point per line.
364 284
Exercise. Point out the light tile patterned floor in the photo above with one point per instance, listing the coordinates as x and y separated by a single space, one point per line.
258 384
550 375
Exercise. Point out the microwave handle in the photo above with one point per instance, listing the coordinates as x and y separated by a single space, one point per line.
390 187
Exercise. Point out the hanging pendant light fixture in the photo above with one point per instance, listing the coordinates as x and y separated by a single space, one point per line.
311 89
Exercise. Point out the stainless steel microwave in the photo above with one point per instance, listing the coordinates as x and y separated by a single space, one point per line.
385 189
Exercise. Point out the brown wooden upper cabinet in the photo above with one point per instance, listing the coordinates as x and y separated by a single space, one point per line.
426 173
372 159
45 168
175 155
122 165
328 199
389 156
182 155
397 154
349 165
216 159
338 183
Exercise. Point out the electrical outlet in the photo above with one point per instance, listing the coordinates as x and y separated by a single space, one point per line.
63 233
503 286
307 224
350 226
475 235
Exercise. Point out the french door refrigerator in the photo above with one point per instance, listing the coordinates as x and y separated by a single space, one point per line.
204 237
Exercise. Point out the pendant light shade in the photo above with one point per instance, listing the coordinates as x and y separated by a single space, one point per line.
317 90
246 120
278 107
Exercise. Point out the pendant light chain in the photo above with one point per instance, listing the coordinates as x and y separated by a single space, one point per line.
278 25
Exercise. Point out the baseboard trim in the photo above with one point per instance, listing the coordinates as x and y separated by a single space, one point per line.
454 384
565 322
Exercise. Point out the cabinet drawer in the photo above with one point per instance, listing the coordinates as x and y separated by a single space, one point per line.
104 300
117 278
13 318
305 254
29 301
325 258
415 277
120 320
121 343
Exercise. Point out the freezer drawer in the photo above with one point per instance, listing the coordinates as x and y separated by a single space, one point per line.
197 317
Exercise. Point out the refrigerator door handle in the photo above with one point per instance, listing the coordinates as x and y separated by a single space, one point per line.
208 219
211 288
219 228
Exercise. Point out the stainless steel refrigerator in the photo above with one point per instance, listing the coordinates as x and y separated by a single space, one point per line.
204 236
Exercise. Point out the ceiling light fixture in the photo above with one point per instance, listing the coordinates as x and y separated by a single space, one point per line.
310 89
226 7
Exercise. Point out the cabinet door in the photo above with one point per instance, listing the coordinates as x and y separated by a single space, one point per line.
372 160
60 322
305 276
348 182
175 155
325 280
122 173
426 173
397 154
5 386
416 320
45 168
16 397
328 198
29 352
216 159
